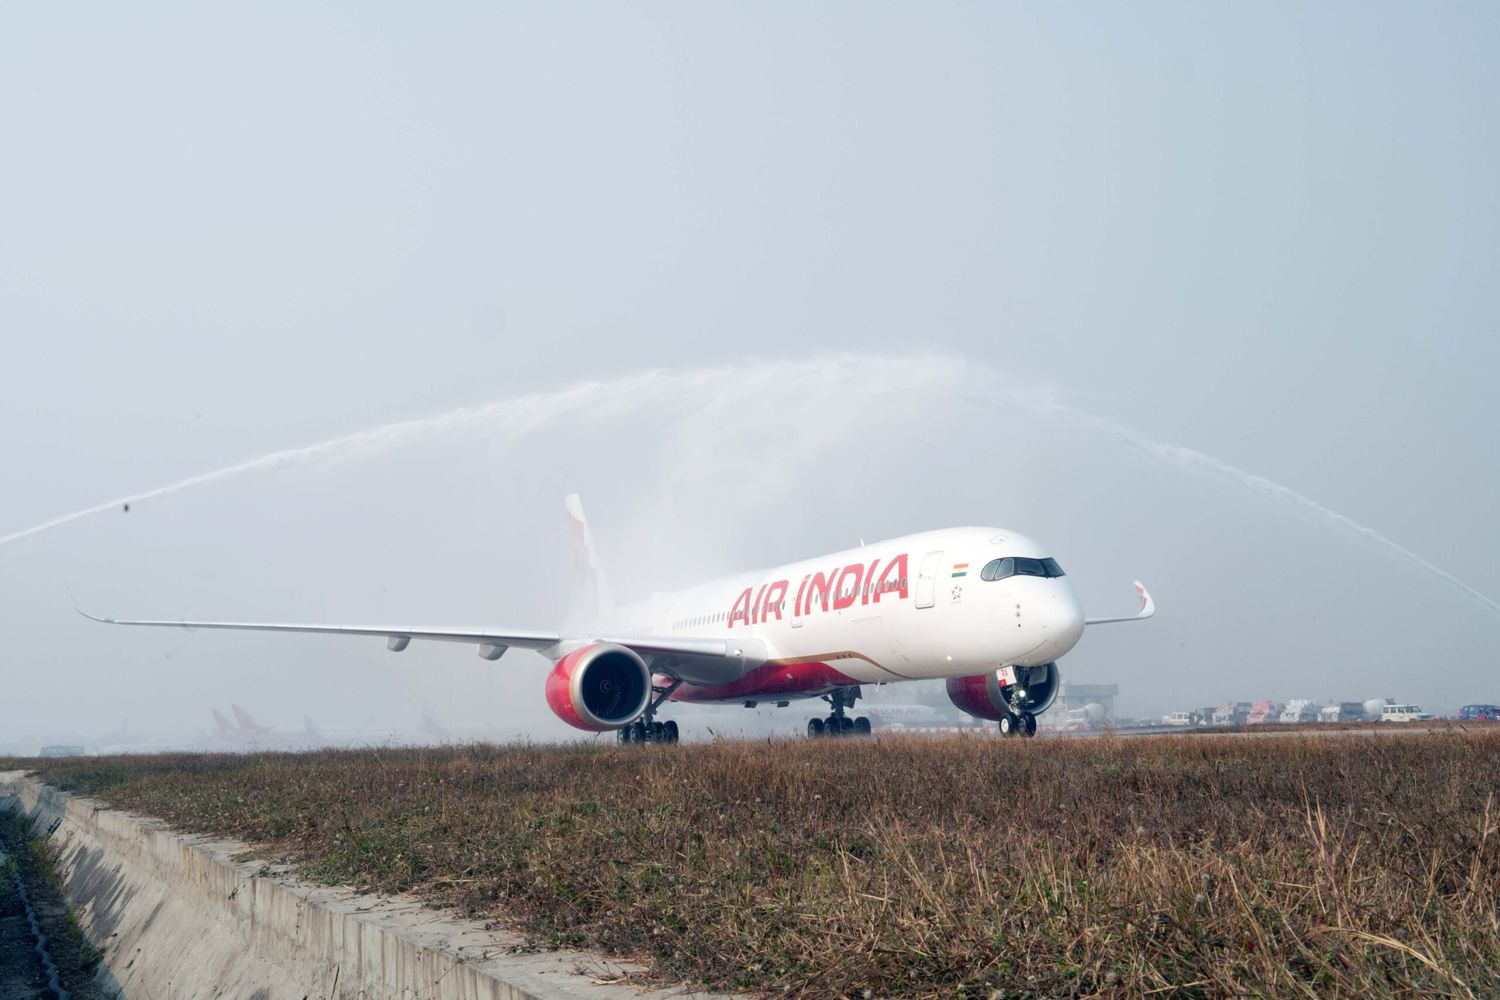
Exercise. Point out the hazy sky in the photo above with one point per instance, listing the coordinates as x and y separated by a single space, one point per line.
1266 232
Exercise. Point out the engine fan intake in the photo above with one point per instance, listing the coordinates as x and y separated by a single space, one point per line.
599 687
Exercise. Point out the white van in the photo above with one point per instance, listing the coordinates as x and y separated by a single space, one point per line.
1403 713
1178 719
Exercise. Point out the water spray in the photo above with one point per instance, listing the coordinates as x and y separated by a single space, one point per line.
515 418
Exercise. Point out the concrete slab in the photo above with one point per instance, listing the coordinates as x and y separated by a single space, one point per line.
177 915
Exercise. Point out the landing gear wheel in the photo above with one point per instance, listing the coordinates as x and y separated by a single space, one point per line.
1028 724
862 726
646 729
838 723
1007 725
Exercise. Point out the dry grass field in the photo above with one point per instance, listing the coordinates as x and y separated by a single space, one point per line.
1155 866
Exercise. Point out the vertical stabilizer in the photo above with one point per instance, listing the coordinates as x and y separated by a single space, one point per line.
247 725
593 595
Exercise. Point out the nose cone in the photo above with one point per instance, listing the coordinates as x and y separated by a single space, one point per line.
1053 617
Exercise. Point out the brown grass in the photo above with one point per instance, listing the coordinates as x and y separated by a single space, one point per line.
1216 866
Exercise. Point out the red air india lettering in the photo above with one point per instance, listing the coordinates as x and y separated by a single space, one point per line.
893 580
847 591
844 587
818 589
774 595
741 612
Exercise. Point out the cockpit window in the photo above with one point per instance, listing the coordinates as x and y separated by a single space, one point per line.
999 569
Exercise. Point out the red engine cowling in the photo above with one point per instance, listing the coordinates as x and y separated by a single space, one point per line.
599 687
984 697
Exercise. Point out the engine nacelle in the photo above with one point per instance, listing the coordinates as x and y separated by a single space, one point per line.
599 687
984 697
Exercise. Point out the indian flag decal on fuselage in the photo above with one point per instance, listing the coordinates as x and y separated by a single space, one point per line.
960 569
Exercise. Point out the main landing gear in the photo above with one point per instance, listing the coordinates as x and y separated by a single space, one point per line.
646 729
641 731
838 723
1021 723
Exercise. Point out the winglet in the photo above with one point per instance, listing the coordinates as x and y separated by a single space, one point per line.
74 601
1148 608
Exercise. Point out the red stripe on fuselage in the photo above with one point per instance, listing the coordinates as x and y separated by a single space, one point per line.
773 680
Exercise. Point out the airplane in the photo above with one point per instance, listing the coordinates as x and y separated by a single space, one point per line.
986 609
248 726
247 734
892 714
223 728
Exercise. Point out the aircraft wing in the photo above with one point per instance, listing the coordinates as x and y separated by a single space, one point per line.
396 636
702 659
1148 608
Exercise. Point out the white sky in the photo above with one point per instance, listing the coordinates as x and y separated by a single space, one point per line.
1267 233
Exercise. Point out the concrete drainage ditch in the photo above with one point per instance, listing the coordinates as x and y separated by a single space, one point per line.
176 915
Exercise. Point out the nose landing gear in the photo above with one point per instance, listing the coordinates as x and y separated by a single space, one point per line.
838 722
1019 723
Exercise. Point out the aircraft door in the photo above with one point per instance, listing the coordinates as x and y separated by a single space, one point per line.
927 579
797 604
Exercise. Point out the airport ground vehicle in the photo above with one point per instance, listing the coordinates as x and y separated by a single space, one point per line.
1178 719
1403 713
1475 713
987 609
1263 712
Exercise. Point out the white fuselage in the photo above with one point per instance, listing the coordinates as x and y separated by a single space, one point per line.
910 608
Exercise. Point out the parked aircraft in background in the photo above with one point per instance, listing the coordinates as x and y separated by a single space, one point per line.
437 731
244 733
985 608
914 715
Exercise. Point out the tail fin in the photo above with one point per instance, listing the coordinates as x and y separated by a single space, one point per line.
593 591
247 724
221 724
